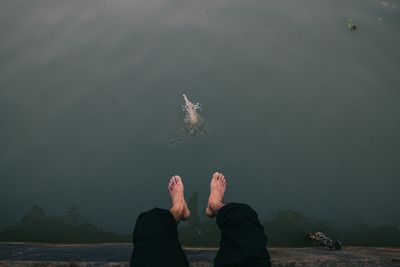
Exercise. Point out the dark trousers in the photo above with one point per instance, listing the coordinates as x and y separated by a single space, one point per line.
243 242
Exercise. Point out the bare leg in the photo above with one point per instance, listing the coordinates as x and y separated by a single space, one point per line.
217 190
179 207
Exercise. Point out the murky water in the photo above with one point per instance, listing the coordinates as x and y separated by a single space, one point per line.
301 113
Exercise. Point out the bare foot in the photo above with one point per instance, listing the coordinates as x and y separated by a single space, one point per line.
179 208
217 190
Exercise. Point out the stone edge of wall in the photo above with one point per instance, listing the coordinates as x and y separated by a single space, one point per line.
289 263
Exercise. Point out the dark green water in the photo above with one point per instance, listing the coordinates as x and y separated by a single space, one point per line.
300 112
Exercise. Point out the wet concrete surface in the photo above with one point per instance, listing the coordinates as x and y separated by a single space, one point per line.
29 254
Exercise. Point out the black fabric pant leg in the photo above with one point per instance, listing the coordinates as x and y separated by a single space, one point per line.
243 241
155 241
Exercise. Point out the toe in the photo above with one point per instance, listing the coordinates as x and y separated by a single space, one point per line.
215 175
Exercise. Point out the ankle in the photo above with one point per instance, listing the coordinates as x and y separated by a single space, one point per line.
177 213
216 205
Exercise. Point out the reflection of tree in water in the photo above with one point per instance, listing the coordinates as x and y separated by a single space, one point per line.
73 217
194 220
195 232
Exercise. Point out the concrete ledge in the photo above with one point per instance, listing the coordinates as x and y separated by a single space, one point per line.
117 255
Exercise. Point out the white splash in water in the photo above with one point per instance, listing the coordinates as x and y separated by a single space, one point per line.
192 116
193 124
192 119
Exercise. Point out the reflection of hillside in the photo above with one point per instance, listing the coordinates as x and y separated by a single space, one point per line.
290 228
37 226
286 228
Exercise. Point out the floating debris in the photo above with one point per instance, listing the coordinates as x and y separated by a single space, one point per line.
387 4
351 26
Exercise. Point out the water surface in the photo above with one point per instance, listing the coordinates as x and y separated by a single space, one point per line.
301 113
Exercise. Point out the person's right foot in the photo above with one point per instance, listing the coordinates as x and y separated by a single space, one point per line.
217 190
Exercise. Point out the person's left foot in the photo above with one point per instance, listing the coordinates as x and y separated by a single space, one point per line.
179 207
